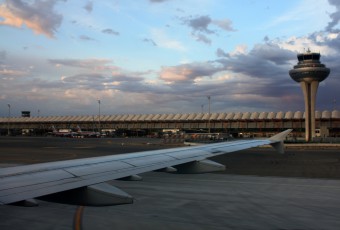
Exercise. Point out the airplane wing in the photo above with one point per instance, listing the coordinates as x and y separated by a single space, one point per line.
82 181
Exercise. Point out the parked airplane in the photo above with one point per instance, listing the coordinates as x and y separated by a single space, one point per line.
87 133
57 133
82 181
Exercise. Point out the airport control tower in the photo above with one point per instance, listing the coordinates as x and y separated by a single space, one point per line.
309 72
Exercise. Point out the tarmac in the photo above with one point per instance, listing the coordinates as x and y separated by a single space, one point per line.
260 189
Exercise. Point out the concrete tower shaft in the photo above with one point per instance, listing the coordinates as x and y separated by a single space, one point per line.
309 72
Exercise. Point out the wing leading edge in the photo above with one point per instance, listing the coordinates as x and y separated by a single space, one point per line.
83 178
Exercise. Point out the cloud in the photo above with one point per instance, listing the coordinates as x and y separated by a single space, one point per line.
126 77
201 38
39 16
148 40
110 31
89 6
85 80
225 24
188 73
239 49
263 61
101 80
272 52
11 73
327 43
221 53
334 16
86 38
200 26
99 64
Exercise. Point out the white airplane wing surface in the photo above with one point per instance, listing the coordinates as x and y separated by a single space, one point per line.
82 181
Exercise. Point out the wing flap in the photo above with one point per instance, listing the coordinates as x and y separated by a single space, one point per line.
35 190
97 168
188 153
24 180
148 160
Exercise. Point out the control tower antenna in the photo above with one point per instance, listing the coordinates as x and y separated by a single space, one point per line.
309 72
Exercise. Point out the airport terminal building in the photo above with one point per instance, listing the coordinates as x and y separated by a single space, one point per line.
247 124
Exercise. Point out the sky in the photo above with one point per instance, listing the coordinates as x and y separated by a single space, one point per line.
63 57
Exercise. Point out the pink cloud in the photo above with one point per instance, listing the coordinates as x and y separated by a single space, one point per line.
38 16
174 74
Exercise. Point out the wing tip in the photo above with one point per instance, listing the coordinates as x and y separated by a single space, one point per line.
277 140
280 136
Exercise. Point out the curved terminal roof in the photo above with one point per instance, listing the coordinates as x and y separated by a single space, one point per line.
237 116
265 115
184 116
230 116
245 116
335 114
326 114
254 115
298 115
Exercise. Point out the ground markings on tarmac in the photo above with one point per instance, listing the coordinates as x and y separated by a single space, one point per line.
78 218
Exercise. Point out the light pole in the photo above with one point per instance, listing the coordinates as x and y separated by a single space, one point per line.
209 115
202 107
9 117
98 115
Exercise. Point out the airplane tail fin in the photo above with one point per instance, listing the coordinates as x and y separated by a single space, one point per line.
54 129
277 140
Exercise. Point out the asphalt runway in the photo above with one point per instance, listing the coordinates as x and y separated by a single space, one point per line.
259 190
